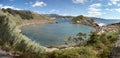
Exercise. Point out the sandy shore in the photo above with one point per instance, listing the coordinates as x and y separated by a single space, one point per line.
31 22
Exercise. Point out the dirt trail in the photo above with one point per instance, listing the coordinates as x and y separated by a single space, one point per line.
4 54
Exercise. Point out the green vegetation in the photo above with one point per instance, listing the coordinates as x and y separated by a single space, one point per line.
85 21
15 40
22 13
82 18
103 44
97 46
78 18
77 41
79 52
11 39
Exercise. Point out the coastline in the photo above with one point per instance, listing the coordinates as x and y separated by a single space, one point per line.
36 22
52 48
109 28
31 22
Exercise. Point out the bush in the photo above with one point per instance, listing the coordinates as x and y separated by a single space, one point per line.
79 52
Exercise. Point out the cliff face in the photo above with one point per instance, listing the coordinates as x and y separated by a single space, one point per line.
84 20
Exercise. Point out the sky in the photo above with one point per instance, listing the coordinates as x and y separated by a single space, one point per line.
108 9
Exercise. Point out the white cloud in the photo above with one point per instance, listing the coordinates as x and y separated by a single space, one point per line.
94 10
5 7
113 9
54 11
109 4
39 3
65 14
114 1
78 1
118 9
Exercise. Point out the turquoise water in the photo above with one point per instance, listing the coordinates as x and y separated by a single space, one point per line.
54 34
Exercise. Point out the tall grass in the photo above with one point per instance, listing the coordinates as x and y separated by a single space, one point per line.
16 40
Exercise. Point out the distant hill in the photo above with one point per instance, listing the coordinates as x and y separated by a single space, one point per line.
95 18
84 20
56 16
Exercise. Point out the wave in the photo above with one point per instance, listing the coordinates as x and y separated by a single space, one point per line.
101 24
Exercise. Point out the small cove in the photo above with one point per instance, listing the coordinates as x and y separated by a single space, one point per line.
54 34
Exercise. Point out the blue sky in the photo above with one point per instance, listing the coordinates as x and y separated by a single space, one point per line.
109 9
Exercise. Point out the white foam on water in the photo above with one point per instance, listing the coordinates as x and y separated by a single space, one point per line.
101 24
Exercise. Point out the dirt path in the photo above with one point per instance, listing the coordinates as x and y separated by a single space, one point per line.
4 54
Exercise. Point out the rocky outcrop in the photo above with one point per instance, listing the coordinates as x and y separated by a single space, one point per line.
109 28
84 20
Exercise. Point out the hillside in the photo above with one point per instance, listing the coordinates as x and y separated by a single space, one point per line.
84 20
13 41
56 16
23 14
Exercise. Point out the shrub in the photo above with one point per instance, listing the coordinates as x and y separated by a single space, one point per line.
79 52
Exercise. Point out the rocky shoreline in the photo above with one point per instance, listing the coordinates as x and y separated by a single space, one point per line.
99 29
35 22
109 28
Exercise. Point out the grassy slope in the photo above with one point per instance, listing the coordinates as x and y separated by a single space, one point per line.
38 16
15 40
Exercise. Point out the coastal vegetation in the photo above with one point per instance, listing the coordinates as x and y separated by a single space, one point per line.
95 46
11 39
15 40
